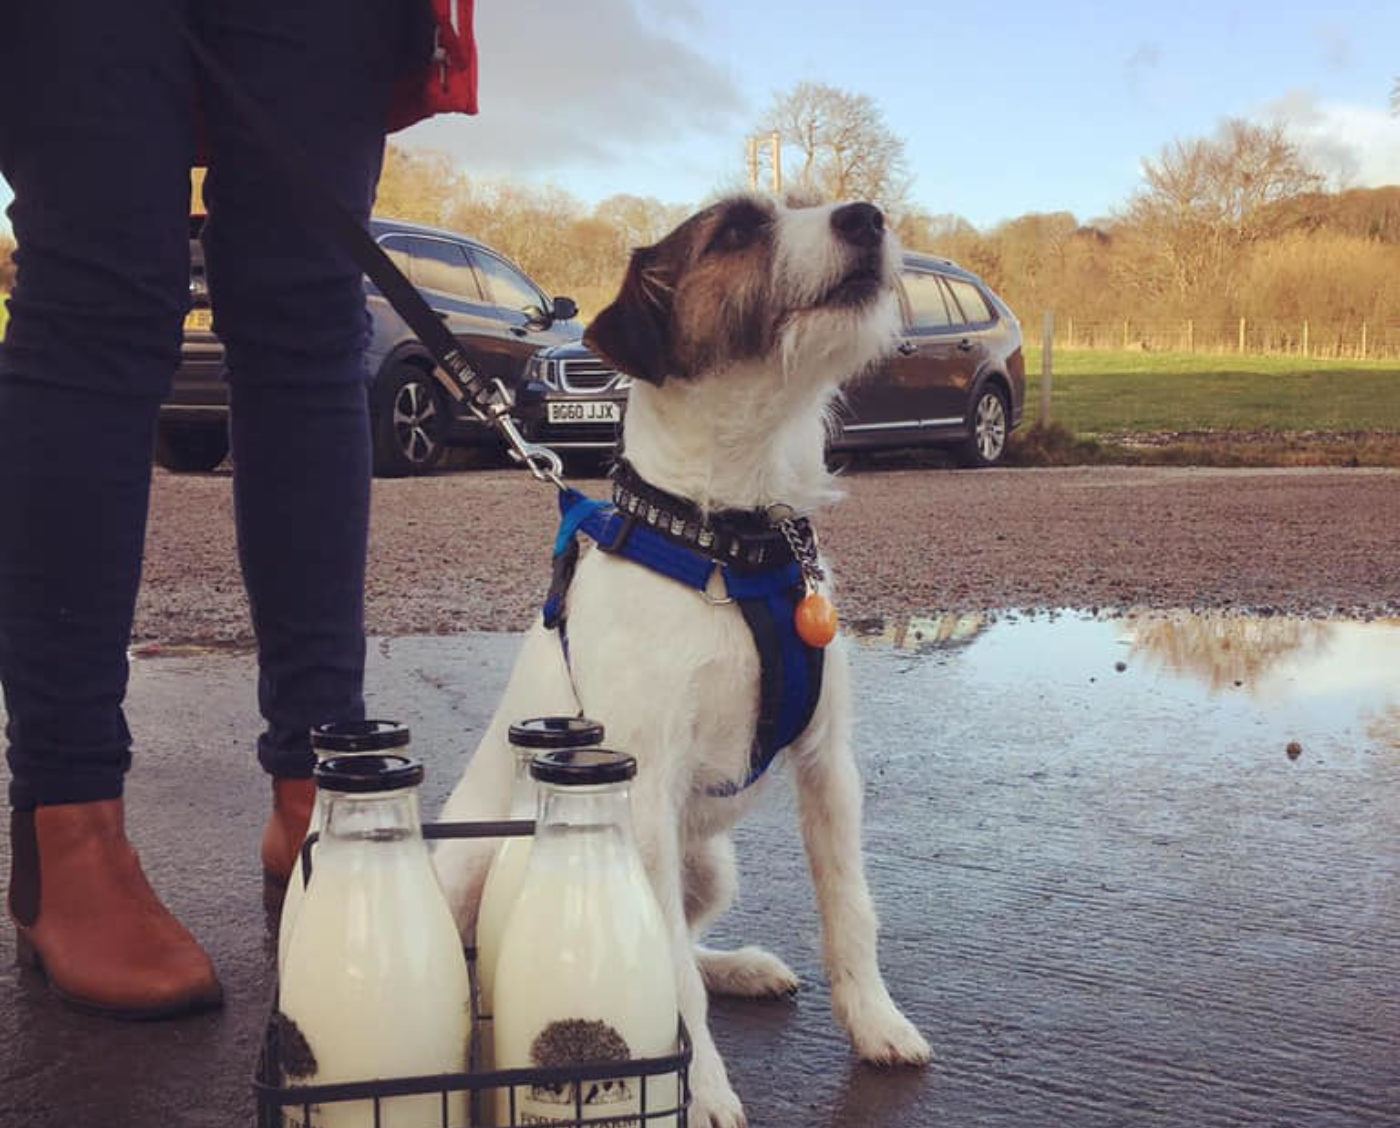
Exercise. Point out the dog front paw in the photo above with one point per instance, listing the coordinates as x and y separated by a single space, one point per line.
748 973
715 1106
881 1034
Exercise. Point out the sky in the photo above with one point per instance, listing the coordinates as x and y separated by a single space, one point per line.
1005 109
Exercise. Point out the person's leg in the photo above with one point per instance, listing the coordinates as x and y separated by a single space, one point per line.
97 152
289 305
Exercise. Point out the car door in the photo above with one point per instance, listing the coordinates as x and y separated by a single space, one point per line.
923 383
519 309
441 269
977 323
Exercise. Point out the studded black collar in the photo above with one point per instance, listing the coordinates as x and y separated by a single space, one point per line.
751 540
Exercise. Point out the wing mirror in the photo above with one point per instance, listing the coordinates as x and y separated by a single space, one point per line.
561 309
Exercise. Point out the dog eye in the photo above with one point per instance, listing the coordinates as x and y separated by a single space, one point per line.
740 229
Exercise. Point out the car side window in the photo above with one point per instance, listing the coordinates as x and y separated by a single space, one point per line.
396 248
974 306
506 285
928 305
442 266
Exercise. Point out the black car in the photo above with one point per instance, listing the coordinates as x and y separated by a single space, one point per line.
573 401
497 312
957 379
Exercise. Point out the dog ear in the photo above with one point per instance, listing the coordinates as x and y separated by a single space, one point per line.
633 332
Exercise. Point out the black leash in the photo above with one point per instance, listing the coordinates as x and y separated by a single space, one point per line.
490 401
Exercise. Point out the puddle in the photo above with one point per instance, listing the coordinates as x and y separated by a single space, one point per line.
1307 676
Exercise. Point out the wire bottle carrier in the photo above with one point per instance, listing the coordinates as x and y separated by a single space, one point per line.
284 1105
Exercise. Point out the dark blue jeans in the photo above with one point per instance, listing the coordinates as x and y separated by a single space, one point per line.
98 110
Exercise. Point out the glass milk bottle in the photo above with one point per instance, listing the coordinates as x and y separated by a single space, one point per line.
539 734
585 971
341 738
375 982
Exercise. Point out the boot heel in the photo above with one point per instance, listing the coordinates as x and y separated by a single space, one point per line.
26 954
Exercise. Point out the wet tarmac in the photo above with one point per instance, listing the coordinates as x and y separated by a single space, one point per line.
1130 872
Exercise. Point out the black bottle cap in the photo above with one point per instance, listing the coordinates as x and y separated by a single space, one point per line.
359 736
365 774
556 732
580 767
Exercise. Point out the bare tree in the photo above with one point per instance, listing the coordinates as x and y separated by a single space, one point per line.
7 263
847 152
1205 199
418 186
638 220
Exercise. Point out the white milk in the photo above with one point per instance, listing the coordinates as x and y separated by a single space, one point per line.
376 982
296 885
586 953
497 899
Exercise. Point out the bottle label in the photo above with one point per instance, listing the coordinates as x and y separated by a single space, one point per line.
578 1043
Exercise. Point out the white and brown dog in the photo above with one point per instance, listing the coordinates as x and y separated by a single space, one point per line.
739 328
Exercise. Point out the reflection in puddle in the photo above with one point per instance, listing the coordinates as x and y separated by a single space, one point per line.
921 634
1225 650
1385 727
1287 675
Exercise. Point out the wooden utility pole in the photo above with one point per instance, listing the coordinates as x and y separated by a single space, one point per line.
776 140
753 164
1047 367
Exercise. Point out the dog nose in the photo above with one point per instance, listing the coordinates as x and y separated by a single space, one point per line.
861 225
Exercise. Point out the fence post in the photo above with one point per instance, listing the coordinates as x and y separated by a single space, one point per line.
1241 334
1069 333
1125 334
1305 336
1363 340
1047 367
1190 334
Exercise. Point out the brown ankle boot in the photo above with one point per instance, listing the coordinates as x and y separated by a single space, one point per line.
86 916
292 801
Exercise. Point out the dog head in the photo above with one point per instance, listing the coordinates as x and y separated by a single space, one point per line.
807 290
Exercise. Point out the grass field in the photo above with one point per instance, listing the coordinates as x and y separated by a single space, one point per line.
1101 392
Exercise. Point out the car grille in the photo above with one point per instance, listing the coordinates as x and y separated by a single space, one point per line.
589 375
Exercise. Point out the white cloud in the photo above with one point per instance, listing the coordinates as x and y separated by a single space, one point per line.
1354 146
584 83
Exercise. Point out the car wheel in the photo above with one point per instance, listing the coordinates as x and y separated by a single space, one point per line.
187 448
409 421
987 443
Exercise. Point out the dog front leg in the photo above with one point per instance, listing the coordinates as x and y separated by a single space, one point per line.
482 794
829 797
714 1102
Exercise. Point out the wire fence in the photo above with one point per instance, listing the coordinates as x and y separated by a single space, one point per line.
1329 340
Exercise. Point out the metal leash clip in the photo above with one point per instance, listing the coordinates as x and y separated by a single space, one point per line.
544 464
491 403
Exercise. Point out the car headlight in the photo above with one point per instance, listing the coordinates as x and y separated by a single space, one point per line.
544 370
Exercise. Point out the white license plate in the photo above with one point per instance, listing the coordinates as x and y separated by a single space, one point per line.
602 411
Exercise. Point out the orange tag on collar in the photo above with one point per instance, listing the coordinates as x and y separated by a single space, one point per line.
815 620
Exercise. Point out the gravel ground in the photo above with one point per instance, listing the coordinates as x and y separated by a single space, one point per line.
469 550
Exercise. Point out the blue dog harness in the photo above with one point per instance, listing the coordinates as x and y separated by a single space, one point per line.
763 575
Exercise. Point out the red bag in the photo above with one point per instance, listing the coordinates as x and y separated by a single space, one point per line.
447 84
